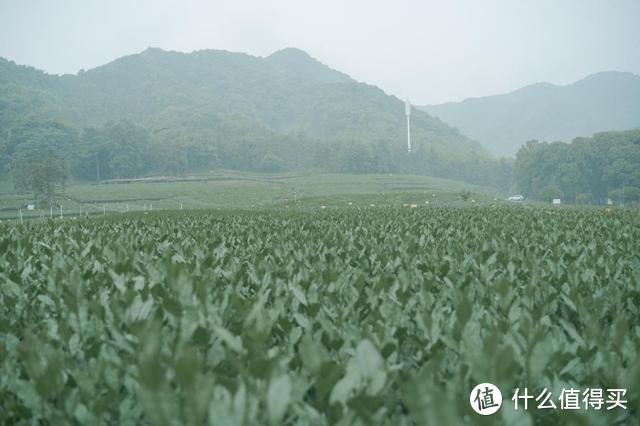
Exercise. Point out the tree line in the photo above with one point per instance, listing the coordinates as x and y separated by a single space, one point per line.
587 170
43 154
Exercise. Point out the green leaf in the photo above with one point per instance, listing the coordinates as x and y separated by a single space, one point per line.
299 294
278 398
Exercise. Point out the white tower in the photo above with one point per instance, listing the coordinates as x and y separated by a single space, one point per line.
407 112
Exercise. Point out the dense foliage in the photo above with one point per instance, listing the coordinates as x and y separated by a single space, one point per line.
543 111
209 109
351 316
586 170
42 174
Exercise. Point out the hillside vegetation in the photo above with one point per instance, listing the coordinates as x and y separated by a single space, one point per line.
160 111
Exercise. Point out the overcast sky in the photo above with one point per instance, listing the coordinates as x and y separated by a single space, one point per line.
432 51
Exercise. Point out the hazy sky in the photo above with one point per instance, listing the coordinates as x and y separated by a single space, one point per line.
432 51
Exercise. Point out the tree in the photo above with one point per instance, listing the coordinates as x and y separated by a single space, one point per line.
629 194
91 156
40 174
549 192
128 149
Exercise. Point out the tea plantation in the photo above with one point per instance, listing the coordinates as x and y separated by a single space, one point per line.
344 316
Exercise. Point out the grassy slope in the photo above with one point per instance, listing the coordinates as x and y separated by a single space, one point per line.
245 190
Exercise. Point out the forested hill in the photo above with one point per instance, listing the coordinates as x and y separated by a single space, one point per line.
543 111
160 111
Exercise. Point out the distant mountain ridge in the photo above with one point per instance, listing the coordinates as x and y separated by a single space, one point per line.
544 111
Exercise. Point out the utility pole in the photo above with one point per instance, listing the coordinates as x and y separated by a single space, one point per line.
97 168
407 112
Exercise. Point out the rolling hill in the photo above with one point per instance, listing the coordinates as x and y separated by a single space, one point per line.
543 111
281 112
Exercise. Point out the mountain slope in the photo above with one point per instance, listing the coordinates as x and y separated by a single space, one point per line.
543 111
212 108
287 91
